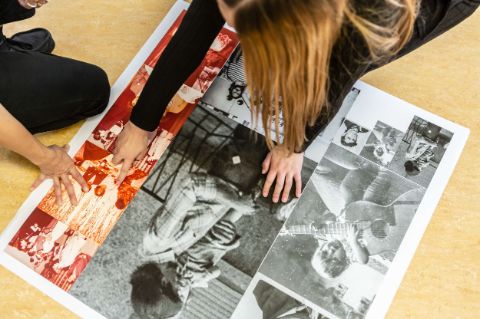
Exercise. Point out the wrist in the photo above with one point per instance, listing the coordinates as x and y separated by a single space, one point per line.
40 154
137 128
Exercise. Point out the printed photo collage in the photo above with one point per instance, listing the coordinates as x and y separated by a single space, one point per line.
339 241
188 234
58 241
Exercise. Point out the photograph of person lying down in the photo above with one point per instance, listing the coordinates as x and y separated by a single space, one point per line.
195 235
343 233
351 136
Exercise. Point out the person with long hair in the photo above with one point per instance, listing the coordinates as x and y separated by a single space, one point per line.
302 57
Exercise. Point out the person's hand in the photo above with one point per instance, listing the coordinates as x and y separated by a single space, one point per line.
131 144
58 165
353 233
284 168
31 4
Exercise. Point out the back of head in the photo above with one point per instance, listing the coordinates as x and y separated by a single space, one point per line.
287 46
152 295
411 168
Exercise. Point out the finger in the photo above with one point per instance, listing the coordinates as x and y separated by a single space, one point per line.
287 188
268 183
127 163
58 190
117 158
38 181
266 163
278 187
69 187
298 185
79 178
141 155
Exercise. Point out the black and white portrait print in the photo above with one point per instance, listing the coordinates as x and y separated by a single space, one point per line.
195 235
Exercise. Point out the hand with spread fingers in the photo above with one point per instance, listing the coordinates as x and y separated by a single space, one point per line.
32 4
284 169
59 166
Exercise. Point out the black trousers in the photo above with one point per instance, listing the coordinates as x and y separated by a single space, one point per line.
44 91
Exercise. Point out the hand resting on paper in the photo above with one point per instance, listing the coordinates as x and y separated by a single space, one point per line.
57 165
284 169
131 145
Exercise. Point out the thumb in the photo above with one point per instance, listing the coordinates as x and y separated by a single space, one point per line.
266 163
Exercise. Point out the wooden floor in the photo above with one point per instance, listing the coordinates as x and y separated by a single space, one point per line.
443 77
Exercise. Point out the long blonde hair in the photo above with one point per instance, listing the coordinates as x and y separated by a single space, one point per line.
287 46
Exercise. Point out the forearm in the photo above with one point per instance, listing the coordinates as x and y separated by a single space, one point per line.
361 253
15 137
181 57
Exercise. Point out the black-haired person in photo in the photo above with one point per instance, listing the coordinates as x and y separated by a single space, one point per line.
420 153
41 92
176 275
335 253
154 293
350 135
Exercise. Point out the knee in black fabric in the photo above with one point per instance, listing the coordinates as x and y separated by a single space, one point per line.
99 90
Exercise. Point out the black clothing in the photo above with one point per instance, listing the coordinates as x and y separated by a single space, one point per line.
11 11
181 57
349 59
46 92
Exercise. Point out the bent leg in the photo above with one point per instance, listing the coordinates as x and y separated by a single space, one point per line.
47 92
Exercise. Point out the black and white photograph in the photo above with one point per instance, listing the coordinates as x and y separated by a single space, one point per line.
343 233
228 93
195 235
351 136
420 151
266 301
382 144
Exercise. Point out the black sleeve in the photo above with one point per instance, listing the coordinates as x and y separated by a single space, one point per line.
201 24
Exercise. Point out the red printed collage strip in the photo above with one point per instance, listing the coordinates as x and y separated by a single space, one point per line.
58 241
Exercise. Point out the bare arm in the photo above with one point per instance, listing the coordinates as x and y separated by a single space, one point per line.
360 252
53 161
15 137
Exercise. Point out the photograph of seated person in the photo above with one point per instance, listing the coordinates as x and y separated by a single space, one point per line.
420 151
192 268
40 92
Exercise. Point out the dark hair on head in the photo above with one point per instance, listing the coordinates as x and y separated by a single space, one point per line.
326 266
349 144
411 168
151 294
